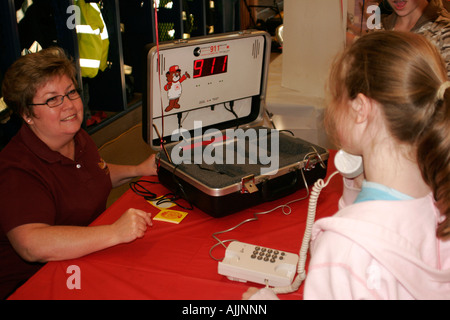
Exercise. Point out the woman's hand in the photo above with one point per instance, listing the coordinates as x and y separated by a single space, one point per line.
148 167
132 225
39 242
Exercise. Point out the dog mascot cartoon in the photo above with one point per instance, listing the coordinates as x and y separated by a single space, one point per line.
173 86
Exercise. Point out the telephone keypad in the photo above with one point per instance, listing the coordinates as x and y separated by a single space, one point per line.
267 255
246 262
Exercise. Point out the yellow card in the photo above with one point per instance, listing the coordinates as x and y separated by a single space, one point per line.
171 216
162 206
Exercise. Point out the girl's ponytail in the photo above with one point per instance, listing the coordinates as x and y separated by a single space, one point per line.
433 156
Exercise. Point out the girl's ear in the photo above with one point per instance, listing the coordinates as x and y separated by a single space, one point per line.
362 107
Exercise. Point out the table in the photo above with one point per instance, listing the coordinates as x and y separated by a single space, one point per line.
172 261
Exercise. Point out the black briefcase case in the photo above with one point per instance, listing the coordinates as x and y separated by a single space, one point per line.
203 103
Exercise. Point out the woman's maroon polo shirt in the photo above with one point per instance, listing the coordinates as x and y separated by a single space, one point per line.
38 185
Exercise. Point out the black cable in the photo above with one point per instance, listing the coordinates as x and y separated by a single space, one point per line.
179 117
362 17
181 188
231 103
286 130
140 189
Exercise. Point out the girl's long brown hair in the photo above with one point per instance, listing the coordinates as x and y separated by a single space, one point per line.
403 72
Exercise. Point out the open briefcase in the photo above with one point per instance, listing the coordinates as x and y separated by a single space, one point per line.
203 101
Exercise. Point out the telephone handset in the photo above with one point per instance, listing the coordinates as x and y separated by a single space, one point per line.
240 266
349 165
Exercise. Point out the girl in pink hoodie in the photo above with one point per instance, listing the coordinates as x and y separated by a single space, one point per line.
390 104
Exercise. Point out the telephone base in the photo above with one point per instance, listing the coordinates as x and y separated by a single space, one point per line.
246 262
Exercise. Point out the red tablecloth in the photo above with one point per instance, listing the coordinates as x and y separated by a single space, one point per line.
172 261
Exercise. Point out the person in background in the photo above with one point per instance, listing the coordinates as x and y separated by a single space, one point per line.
390 239
54 182
426 17
446 4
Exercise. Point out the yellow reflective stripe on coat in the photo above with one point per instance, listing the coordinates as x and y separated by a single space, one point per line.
90 63
93 42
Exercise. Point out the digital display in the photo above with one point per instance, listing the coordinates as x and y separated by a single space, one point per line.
210 66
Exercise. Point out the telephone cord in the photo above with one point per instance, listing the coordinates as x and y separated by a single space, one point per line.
312 206
285 208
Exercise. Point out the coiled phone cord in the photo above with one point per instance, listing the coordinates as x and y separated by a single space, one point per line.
312 206
285 207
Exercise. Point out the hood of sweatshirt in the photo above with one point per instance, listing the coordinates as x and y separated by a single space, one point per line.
400 235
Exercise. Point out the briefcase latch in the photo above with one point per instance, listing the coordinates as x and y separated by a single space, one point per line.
248 184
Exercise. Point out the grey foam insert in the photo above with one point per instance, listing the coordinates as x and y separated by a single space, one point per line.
288 150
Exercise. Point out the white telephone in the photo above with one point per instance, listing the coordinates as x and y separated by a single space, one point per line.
246 262
349 165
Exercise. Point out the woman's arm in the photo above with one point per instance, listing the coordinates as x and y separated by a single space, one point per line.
38 242
121 174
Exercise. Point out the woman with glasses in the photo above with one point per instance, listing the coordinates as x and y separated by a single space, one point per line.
53 181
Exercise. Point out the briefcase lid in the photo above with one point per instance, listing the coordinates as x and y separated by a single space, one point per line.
211 82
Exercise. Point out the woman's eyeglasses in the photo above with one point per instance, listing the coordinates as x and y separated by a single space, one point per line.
58 100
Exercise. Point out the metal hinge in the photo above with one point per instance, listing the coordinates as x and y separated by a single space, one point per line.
248 184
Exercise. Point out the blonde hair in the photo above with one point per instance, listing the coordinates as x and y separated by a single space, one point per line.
405 74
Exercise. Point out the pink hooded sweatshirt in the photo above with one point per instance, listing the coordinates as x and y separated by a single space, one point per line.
377 250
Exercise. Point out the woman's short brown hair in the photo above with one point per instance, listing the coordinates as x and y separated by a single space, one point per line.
28 73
